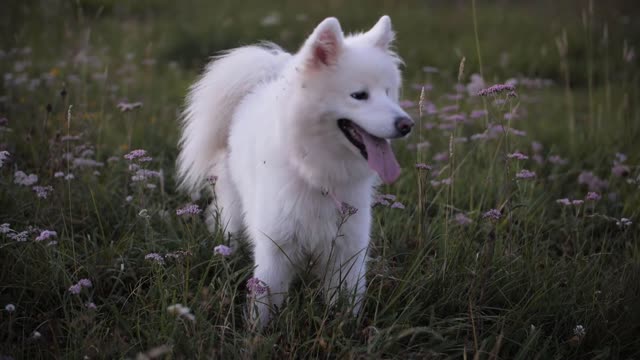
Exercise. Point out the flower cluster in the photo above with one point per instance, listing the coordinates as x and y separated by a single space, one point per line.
568 202
178 254
181 311
386 200
139 155
525 174
624 223
620 169
423 166
493 214
445 181
517 155
4 156
256 286
20 178
592 196
496 89
222 250
46 234
189 209
77 287
42 191
155 257
593 182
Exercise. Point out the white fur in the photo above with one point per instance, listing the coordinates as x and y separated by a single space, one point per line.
265 123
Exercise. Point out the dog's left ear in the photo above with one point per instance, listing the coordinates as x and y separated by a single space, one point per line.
381 34
325 44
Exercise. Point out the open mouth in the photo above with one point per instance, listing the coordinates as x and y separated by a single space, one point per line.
376 151
349 130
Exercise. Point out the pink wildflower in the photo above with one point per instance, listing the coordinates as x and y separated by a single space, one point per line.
135 154
222 250
592 196
518 156
525 174
46 234
189 209
155 257
564 201
536 146
19 236
20 178
423 166
592 181
256 286
496 89
493 214
42 191
4 155
75 289
397 205
620 170
5 228
85 283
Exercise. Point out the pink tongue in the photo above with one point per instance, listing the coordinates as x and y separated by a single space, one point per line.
380 157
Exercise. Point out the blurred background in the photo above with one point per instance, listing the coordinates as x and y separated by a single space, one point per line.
516 37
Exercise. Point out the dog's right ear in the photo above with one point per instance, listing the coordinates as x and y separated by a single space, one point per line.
324 45
381 34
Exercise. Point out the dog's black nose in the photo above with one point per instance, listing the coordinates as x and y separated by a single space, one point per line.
404 125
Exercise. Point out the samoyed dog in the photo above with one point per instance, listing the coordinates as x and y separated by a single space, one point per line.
297 143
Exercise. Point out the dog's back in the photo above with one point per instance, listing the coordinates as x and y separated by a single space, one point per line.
211 103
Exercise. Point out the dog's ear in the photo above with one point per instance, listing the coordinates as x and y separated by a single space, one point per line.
381 34
325 44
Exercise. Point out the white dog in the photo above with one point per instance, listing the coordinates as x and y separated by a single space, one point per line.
291 140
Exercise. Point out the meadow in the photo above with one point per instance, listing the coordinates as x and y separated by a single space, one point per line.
512 232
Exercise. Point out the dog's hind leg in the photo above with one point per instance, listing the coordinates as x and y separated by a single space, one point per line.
225 212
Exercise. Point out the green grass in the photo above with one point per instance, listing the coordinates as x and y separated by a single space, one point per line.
512 289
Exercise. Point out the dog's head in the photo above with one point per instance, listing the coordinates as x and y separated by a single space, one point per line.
349 94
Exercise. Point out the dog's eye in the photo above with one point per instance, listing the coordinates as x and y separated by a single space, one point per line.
360 95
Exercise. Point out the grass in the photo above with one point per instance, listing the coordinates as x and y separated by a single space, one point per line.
513 288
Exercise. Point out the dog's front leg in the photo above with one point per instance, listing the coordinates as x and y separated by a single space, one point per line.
343 265
273 269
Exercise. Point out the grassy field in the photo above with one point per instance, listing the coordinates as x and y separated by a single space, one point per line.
553 272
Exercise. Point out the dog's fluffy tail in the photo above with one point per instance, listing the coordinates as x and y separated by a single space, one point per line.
211 103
